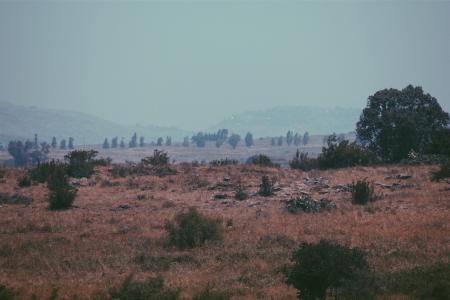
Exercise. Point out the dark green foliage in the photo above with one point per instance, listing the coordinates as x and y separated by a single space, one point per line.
61 194
362 192
431 283
26 153
289 137
326 266
24 181
234 140
70 144
6 293
54 143
41 173
151 289
343 154
63 144
120 171
443 172
240 193
302 162
248 139
440 142
396 122
191 229
168 141
159 158
141 142
261 160
266 187
81 163
114 142
209 294
306 138
105 144
159 141
223 162
133 141
308 205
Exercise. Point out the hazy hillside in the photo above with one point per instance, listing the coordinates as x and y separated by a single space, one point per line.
20 122
278 120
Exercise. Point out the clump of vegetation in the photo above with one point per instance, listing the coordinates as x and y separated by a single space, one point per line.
223 162
159 158
261 160
14 199
24 181
81 163
266 187
42 172
191 229
151 289
61 194
240 193
2 173
328 267
362 192
120 171
302 162
209 294
308 205
6 293
28 153
443 172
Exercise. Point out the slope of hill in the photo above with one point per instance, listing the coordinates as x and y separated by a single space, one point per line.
278 120
20 122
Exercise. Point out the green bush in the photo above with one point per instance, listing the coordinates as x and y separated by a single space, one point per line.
42 172
159 158
81 163
443 172
302 162
24 181
61 194
261 160
362 192
308 205
327 267
6 293
240 193
223 162
151 289
266 187
191 229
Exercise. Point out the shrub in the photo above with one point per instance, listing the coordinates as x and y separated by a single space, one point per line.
223 162
61 194
362 192
443 172
6 293
302 162
28 152
24 181
151 289
266 187
234 140
81 163
191 229
308 205
261 160
325 266
42 172
240 193
159 158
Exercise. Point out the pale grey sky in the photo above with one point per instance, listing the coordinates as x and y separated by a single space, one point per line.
192 63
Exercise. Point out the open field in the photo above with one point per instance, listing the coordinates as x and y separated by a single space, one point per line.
117 228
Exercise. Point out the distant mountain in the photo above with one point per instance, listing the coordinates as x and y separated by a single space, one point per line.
21 122
277 121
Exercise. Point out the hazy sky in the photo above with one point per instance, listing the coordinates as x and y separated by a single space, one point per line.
191 64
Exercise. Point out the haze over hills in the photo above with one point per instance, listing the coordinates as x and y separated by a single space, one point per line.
21 122
276 121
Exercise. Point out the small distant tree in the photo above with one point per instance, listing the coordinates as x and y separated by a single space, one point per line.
70 144
272 142
233 140
62 144
289 137
26 153
199 140
36 141
297 139
54 143
61 194
306 138
168 141
133 141
186 141
114 142
248 139
141 142
122 143
106 144
280 141
159 141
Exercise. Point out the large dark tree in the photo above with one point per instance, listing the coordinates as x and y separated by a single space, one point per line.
248 139
396 122
233 140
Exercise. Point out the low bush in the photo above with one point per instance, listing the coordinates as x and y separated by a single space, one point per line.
302 162
151 289
14 199
266 187
61 194
442 173
159 158
24 181
191 229
81 163
327 267
120 171
308 205
261 160
362 192
42 172
223 162
240 193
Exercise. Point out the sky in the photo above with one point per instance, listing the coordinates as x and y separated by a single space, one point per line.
192 63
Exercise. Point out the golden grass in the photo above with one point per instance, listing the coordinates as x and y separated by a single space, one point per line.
96 244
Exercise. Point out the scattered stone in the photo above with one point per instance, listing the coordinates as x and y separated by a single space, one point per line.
226 178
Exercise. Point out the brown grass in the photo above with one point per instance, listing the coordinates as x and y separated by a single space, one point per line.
96 244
